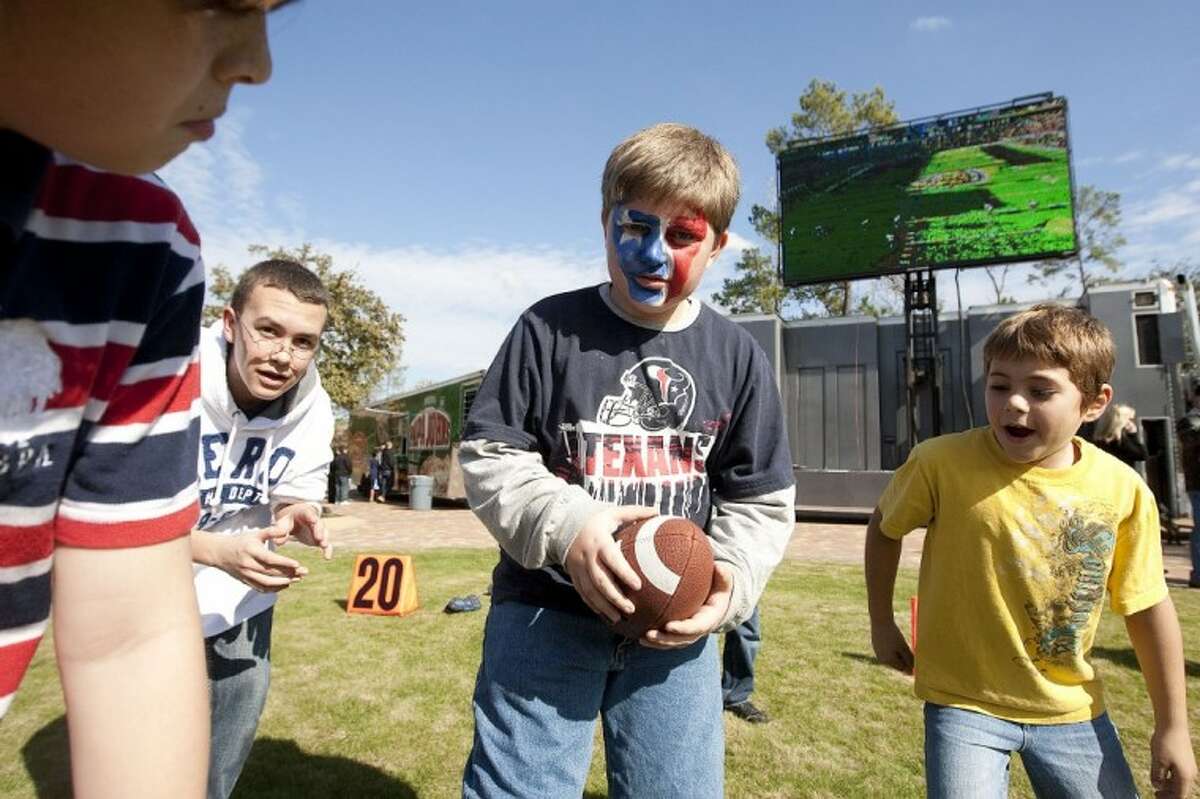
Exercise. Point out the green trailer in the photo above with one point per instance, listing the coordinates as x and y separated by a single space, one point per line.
425 426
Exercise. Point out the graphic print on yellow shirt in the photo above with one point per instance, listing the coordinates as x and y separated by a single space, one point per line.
1016 563
1065 576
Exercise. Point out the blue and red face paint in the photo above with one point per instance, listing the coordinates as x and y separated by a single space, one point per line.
660 254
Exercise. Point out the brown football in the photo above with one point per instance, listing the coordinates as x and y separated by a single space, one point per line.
672 557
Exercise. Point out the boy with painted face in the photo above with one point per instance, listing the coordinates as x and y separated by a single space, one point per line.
101 288
1028 527
605 405
266 428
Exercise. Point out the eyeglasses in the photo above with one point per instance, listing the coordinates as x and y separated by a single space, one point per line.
271 345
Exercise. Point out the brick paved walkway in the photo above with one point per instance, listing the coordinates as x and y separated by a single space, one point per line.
359 526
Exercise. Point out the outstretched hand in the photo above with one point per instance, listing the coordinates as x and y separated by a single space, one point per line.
247 557
307 527
595 563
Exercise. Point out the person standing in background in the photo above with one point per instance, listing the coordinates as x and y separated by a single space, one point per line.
341 470
1117 434
375 475
1188 428
737 670
387 470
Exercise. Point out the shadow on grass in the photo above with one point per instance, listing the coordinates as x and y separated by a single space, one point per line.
341 603
859 656
275 768
280 768
47 758
1127 658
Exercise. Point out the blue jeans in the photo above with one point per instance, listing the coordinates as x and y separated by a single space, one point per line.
741 648
1194 538
239 673
545 676
967 756
341 489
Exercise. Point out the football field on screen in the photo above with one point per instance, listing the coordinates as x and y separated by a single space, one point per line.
980 203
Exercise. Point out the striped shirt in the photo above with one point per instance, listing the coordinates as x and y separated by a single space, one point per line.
101 289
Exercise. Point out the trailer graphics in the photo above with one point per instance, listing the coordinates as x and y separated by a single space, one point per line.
424 426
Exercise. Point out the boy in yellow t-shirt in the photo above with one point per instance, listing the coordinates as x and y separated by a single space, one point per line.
1028 526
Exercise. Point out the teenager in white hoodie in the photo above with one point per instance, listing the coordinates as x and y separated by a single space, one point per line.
266 428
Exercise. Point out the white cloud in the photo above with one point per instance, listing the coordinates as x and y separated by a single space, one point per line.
1163 228
736 244
1181 161
930 24
1132 155
458 303
1168 206
220 179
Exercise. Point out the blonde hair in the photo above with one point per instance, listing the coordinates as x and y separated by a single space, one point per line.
1059 336
669 161
1111 424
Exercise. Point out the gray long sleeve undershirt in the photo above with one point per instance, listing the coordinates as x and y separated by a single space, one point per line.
535 516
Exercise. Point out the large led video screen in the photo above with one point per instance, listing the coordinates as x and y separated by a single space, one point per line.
987 186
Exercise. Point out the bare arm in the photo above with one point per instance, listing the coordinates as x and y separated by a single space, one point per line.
130 652
881 560
1156 639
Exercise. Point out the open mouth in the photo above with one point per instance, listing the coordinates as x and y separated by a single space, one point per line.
1018 431
272 379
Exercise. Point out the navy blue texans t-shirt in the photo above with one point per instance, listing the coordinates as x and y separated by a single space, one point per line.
637 416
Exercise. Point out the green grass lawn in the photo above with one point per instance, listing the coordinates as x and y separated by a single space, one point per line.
367 706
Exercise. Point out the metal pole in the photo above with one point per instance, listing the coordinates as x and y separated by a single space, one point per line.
1189 299
910 374
935 357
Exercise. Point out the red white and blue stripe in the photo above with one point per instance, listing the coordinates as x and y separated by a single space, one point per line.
101 289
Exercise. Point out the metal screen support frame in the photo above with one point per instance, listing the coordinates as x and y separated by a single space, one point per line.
921 355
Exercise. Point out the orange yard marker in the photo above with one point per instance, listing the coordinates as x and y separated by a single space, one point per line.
383 585
912 625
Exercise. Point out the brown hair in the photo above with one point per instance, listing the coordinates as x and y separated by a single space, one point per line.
669 161
281 274
1060 336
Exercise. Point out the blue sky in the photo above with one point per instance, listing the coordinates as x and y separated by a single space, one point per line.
451 152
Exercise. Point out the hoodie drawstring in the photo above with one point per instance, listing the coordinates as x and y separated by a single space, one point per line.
214 501
265 488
